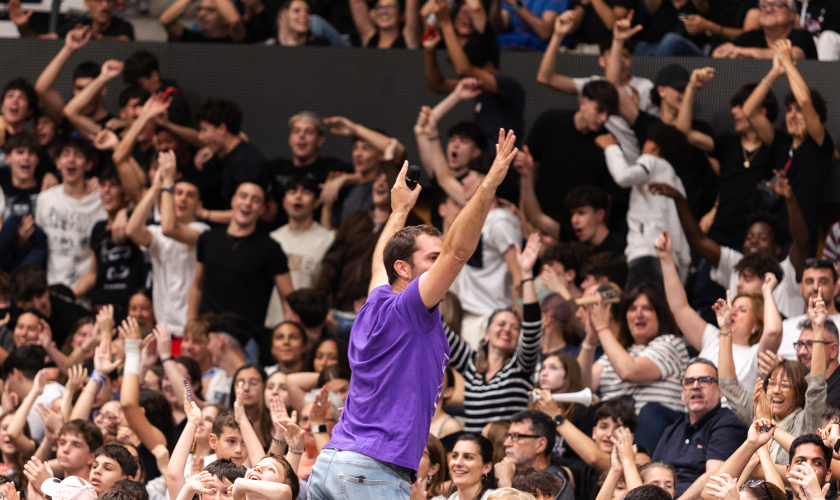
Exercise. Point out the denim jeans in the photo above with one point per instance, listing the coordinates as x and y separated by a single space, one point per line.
672 44
347 475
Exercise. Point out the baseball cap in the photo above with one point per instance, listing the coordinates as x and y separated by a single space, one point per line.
674 76
71 488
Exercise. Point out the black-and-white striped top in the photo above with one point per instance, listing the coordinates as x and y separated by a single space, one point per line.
508 391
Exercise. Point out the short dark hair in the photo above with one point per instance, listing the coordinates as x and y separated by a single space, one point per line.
141 64
831 413
109 173
28 90
87 69
468 130
620 410
121 455
27 359
233 325
481 50
23 139
125 489
224 468
77 144
648 492
816 100
588 195
84 429
219 111
770 104
541 424
814 263
536 482
765 217
310 305
158 412
290 477
192 367
760 263
224 419
606 264
571 254
815 440
828 326
701 361
133 92
673 145
603 93
402 246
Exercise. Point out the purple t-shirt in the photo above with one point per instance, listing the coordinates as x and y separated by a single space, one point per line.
398 353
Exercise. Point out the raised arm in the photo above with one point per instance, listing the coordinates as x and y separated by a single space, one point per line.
699 77
73 110
689 322
623 29
636 370
169 18
759 434
817 314
260 489
462 64
706 247
134 180
196 291
252 442
801 247
542 26
169 223
340 125
463 236
434 77
178 461
771 337
51 101
528 348
236 28
149 435
361 18
413 27
136 227
466 89
547 74
529 204
299 384
813 123
23 444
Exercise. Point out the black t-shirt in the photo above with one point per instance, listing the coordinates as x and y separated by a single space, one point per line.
737 184
592 29
615 242
567 159
810 166
19 202
118 27
501 110
63 313
120 269
282 174
239 272
585 477
399 43
700 181
667 20
179 108
822 15
197 37
799 38
833 382
221 176
729 13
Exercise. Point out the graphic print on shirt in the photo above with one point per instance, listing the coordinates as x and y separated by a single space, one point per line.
477 259
440 387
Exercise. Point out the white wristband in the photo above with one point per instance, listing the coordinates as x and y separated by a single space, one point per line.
132 356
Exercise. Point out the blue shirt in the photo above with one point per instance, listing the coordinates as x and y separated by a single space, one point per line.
688 446
521 34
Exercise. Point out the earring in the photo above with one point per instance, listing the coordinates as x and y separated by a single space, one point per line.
428 481
484 477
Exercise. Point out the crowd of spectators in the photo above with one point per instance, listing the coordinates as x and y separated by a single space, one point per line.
645 316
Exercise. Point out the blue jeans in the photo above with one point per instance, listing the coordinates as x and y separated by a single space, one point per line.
347 475
672 44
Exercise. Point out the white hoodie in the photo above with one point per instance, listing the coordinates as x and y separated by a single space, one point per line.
649 214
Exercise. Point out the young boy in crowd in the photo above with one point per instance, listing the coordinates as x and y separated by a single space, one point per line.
215 482
19 184
226 440
112 463
77 441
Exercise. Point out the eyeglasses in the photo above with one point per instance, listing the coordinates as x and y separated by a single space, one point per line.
784 384
514 437
774 5
703 381
757 483
809 344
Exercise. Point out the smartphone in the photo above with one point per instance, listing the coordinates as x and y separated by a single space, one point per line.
682 17
189 392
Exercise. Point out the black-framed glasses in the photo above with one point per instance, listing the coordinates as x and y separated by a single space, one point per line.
703 381
809 344
515 436
757 483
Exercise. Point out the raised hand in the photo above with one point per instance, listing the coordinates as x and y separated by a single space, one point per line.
192 411
17 14
723 312
340 125
130 328
331 188
52 419
526 258
770 282
803 480
9 492
164 340
564 22
700 76
202 156
286 425
506 151
111 69
553 280
105 320
10 399
202 483
784 49
524 162
37 472
778 68
432 39
167 166
403 198
318 414
238 408
76 375
105 140
723 487
624 443
78 37
782 185
599 314
761 405
816 309
767 360
623 29
442 12
664 247
546 403
45 337
467 88
156 105
102 361
42 378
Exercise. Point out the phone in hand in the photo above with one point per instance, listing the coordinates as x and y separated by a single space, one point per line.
187 388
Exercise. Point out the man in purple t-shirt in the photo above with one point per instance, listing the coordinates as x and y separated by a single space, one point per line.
398 350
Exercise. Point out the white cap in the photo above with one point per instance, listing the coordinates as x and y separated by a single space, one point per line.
71 488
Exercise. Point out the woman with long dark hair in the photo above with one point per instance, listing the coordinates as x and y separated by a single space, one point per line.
471 468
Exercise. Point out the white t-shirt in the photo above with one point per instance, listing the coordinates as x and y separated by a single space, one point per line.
786 294
68 223
218 389
791 331
485 284
52 391
173 269
305 252
746 356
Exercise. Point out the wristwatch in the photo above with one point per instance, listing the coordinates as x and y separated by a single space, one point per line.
837 447
559 419
169 189
319 429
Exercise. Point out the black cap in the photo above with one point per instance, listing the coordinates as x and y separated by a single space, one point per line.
674 76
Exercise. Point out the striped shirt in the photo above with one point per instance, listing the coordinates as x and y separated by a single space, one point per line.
669 354
507 393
